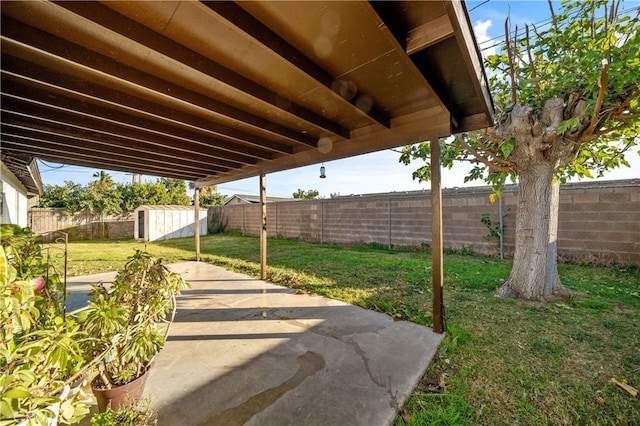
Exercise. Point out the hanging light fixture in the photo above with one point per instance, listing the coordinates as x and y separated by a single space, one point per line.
322 175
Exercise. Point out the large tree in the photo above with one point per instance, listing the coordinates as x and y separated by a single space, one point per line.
567 104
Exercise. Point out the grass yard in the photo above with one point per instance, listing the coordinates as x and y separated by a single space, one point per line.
502 363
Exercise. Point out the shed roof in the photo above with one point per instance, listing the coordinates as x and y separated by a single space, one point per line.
217 91
163 207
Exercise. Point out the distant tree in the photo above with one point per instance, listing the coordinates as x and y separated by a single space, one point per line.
334 195
311 194
67 197
568 103
177 191
210 197
103 196
100 195
138 194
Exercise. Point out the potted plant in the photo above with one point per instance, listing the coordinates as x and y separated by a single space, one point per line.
41 361
127 324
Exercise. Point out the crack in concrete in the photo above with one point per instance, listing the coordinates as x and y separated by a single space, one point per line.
365 360
309 363
393 403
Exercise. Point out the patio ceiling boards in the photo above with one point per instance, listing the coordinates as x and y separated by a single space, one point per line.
215 92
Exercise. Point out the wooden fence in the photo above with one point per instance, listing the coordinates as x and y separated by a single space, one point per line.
80 226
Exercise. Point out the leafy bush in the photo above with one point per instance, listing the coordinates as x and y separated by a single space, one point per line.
136 416
40 356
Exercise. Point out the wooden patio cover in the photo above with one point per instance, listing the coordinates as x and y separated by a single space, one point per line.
212 92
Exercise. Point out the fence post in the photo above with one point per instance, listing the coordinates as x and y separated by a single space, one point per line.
243 225
321 221
389 220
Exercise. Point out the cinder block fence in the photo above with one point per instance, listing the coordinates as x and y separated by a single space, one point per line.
599 221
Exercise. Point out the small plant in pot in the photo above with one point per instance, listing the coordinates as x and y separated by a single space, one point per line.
127 324
137 415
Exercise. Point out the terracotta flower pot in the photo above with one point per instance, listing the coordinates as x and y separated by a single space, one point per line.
120 397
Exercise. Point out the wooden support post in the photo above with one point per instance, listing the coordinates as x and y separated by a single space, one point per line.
437 251
263 230
196 228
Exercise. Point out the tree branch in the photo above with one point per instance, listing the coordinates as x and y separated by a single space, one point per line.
480 158
553 14
603 90
624 117
619 153
489 134
490 152
610 129
531 64
625 104
510 54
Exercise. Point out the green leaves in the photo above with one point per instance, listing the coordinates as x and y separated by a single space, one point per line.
600 120
310 194
39 350
104 196
121 322
567 124
506 147
67 197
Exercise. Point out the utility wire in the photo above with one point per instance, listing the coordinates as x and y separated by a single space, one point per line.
538 25
51 168
477 6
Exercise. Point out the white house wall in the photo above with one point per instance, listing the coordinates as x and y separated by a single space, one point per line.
14 199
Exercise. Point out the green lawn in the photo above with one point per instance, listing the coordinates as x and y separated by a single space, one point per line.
502 363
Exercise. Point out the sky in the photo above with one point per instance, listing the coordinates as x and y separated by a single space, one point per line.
380 171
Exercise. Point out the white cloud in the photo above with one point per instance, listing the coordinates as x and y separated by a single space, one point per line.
481 30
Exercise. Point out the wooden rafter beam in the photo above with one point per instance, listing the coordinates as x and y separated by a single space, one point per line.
75 141
114 104
78 63
96 122
94 160
428 34
211 73
404 130
234 13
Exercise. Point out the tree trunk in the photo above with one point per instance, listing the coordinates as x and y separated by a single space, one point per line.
534 275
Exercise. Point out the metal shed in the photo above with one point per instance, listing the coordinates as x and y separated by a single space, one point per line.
165 222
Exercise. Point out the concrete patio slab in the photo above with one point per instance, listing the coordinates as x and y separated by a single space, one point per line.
244 351
79 287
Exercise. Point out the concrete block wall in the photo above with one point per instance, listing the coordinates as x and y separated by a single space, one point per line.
597 221
601 222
